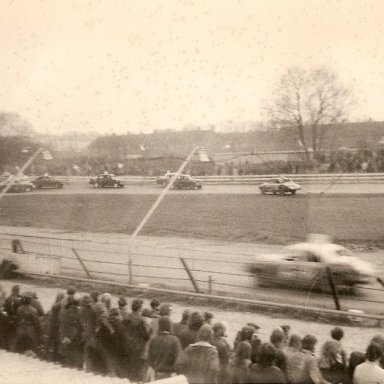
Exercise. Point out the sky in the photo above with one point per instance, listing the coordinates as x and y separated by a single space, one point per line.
117 66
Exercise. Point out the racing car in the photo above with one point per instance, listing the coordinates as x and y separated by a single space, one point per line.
47 182
303 265
106 180
17 185
279 185
186 182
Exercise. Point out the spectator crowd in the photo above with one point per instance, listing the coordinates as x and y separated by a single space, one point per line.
144 344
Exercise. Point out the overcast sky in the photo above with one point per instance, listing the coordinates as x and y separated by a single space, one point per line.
136 65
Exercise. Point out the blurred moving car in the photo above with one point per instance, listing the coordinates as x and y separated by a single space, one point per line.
164 180
186 182
106 180
303 265
279 185
17 185
47 182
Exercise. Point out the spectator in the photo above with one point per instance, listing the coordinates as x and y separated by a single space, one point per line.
239 364
278 339
265 371
199 362
164 350
28 327
138 337
331 366
370 371
123 310
12 303
337 334
107 300
155 310
303 365
54 327
115 345
178 328
223 349
190 335
164 310
70 348
208 317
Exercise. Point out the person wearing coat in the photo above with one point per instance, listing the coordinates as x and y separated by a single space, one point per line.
28 327
164 350
70 348
199 362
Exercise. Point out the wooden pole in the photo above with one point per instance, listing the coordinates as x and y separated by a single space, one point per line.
82 263
333 287
210 284
189 272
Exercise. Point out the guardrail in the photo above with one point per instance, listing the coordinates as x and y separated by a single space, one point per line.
250 179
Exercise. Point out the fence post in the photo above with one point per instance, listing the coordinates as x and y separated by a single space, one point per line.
130 271
193 281
210 284
82 263
333 287
16 246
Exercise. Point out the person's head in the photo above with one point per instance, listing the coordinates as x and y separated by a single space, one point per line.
286 329
16 289
295 342
106 298
205 333
122 302
165 310
71 303
374 352
155 304
219 329
246 333
378 340
208 316
196 321
165 324
26 298
243 351
71 290
267 355
277 336
137 305
95 296
337 333
59 297
86 301
146 313
329 350
186 316
308 343
114 314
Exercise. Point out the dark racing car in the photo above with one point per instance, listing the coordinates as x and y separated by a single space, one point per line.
186 182
106 180
47 182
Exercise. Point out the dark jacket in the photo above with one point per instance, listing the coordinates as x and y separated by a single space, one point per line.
137 332
28 322
164 351
199 362
224 351
188 336
266 375
116 343
238 371
70 326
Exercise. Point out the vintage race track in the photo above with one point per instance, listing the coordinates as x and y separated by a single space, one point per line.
350 213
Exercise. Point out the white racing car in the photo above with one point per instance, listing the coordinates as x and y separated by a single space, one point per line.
303 265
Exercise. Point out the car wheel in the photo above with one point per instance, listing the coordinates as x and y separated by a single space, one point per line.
262 191
97 185
28 189
281 191
115 185
293 192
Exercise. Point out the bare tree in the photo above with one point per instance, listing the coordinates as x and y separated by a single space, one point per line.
308 101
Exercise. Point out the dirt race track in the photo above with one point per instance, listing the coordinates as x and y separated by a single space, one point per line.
255 221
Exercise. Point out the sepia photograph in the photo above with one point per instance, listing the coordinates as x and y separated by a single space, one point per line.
191 191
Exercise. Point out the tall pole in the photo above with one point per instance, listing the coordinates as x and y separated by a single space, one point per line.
153 208
20 172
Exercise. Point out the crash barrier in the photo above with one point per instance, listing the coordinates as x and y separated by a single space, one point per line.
21 369
247 179
146 265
